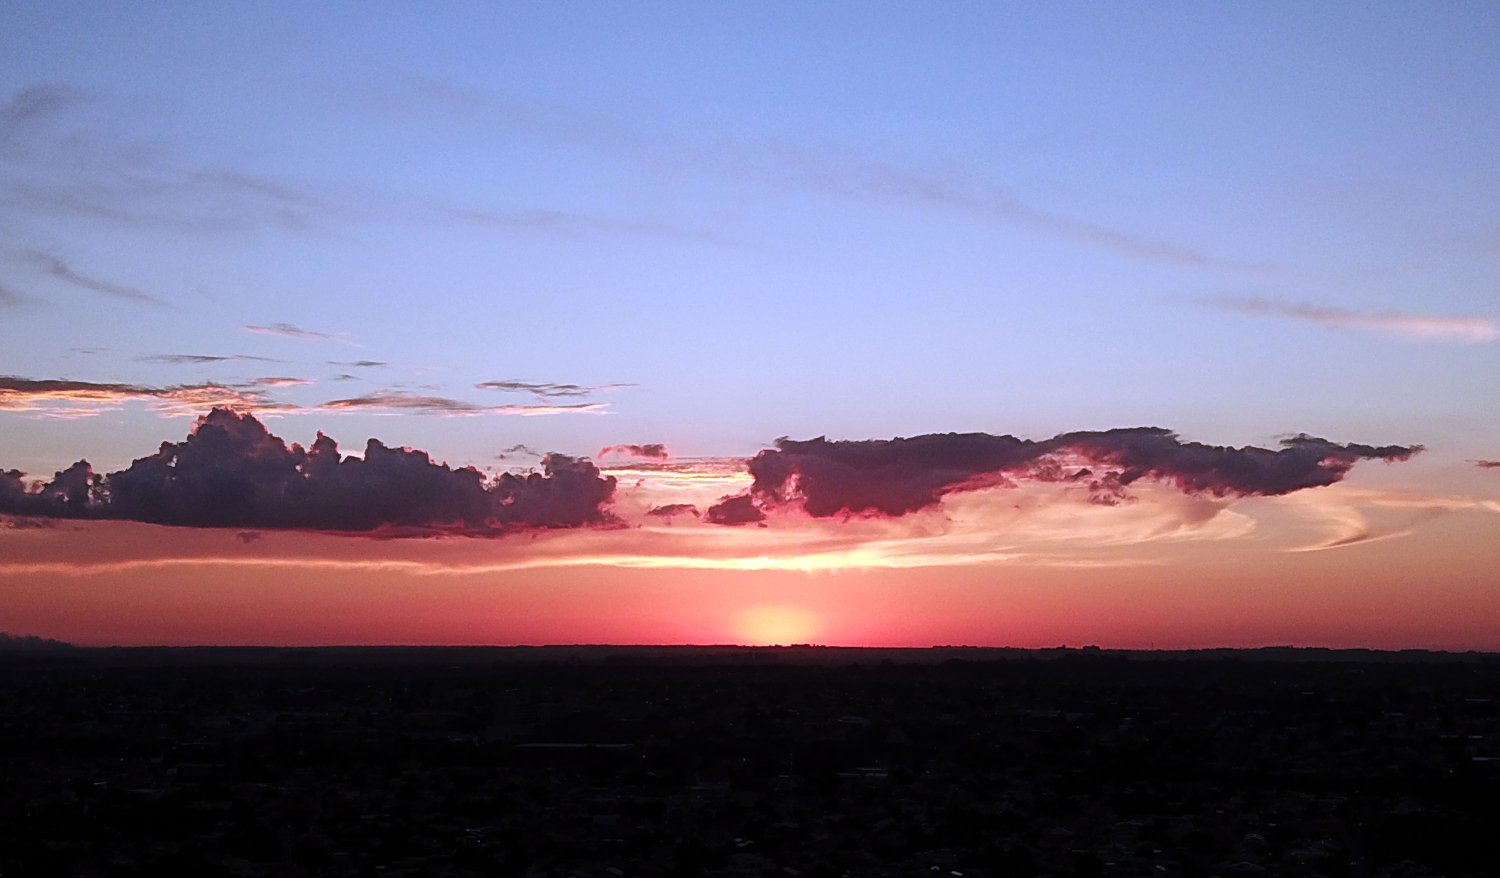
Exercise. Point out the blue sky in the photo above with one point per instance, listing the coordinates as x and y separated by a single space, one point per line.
862 220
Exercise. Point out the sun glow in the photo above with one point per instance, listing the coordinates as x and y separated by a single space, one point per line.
776 625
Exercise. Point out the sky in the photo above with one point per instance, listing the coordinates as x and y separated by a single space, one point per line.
846 323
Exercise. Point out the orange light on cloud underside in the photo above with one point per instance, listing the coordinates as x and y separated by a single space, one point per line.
776 625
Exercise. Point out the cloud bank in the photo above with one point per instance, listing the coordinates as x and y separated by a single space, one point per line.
43 395
894 477
232 472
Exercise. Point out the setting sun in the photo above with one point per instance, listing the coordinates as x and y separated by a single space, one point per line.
776 625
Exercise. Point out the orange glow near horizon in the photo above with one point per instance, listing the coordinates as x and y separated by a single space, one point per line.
777 625
1348 566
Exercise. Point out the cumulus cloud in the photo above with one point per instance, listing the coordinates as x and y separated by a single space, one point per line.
68 398
232 472
441 405
1467 329
547 390
651 451
893 477
736 510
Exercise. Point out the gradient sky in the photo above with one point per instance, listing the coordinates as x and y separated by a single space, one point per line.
493 231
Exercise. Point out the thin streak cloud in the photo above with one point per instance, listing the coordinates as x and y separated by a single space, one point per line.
61 270
277 381
9 298
288 330
1464 329
141 184
201 359
37 102
547 390
440 405
841 173
573 224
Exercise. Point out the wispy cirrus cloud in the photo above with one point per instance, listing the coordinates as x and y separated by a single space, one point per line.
56 267
278 381
358 364
1464 329
396 401
288 330
572 224
62 161
9 298
846 174
202 359
64 398
37 102
548 390
1353 516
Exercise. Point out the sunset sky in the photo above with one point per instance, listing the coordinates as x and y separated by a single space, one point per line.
648 240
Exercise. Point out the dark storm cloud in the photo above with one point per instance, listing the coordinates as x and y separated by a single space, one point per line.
893 477
652 451
232 472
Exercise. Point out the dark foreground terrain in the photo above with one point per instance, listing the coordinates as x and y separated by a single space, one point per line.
611 762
